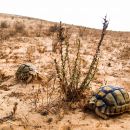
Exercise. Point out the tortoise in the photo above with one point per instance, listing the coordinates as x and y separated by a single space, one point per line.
110 100
26 73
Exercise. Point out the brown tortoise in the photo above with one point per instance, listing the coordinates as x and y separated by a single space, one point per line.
26 73
110 100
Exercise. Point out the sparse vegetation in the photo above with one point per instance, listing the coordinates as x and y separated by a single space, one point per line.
69 72
54 28
19 27
4 24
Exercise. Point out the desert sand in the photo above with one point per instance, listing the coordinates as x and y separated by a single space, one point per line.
34 43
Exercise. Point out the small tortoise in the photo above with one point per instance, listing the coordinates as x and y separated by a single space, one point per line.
110 100
26 73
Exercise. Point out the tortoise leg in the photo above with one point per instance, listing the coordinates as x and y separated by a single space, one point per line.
101 114
29 79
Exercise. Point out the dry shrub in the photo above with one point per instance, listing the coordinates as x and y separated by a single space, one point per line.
69 71
125 54
4 24
19 27
66 90
54 28
46 98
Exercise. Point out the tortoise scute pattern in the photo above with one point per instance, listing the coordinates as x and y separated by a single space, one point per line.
110 100
26 73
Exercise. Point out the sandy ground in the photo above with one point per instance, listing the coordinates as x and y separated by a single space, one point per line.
114 68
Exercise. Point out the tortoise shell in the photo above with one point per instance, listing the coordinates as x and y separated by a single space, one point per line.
26 73
110 100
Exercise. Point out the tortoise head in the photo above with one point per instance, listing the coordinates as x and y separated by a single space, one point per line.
92 103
